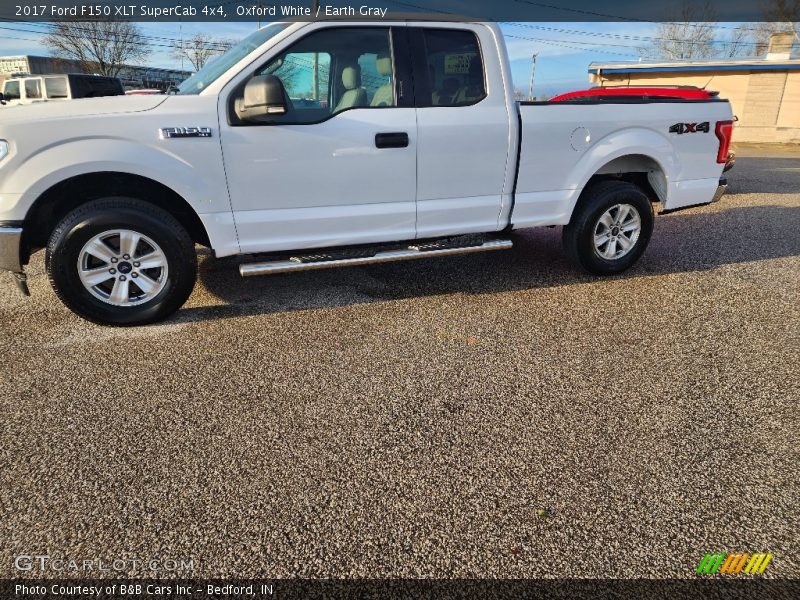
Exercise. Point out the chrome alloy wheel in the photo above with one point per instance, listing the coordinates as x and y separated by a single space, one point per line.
617 231
123 268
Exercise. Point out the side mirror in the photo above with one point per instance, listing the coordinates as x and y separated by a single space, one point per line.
264 96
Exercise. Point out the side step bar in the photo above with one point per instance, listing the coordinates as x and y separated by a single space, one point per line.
301 263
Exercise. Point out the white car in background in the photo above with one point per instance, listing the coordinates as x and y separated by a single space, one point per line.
45 88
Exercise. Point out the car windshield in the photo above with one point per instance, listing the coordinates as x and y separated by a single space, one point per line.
215 68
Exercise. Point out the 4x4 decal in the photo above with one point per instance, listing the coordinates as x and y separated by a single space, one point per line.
681 128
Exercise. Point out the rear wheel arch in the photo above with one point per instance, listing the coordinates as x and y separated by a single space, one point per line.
64 197
644 171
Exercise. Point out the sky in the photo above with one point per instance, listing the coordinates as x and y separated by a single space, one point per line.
564 50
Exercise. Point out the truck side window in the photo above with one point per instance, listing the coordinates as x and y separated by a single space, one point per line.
56 87
333 70
455 67
33 88
305 75
11 90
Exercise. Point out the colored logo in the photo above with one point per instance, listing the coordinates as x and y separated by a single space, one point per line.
734 563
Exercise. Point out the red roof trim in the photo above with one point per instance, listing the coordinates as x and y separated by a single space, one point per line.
683 93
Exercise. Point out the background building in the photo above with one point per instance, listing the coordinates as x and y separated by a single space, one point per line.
765 94
133 77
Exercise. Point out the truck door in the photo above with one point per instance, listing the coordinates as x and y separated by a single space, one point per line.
464 179
340 167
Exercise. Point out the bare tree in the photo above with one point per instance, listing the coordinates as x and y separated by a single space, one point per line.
761 35
691 35
200 48
765 30
784 15
101 47
737 44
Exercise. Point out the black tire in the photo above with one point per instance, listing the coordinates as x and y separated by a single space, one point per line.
578 236
93 219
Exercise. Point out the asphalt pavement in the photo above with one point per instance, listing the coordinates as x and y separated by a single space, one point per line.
491 415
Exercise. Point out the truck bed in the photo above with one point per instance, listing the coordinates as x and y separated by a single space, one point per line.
564 144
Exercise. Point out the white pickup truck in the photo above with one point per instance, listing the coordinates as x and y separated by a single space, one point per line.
332 143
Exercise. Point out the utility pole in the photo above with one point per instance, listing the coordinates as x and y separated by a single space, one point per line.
533 72
315 76
315 73
181 30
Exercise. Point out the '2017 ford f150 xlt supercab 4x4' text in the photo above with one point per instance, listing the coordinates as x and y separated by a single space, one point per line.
367 142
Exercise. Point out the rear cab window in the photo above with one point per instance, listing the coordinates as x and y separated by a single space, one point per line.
56 88
453 68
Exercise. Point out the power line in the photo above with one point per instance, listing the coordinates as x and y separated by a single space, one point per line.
592 44
621 35
618 17
567 44
715 25
172 42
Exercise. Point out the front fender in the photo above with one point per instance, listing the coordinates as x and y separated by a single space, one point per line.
56 162
192 170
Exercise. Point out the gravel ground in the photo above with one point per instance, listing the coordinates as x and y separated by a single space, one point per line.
492 415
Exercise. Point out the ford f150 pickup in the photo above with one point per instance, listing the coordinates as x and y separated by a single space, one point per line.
333 143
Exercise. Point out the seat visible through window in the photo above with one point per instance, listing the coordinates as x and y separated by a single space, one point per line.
384 95
447 95
475 89
333 70
355 95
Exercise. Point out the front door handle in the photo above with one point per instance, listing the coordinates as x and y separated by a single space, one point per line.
391 140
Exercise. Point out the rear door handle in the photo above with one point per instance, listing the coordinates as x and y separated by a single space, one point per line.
391 140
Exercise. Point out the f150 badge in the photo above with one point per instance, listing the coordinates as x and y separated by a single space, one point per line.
681 128
184 132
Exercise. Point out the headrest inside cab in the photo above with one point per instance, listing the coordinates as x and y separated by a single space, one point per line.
383 64
351 77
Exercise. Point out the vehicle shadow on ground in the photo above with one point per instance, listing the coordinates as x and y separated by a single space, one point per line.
682 242
757 175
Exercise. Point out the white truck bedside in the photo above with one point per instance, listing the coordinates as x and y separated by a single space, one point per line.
333 143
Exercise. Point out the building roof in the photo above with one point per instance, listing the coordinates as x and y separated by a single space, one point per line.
622 68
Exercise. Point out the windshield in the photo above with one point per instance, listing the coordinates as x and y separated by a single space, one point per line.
215 68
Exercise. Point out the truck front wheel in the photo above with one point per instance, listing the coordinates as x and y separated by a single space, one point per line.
121 261
610 228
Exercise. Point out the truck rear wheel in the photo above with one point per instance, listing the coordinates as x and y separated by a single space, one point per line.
121 261
610 228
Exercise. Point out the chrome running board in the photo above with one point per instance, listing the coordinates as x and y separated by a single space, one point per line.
365 257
